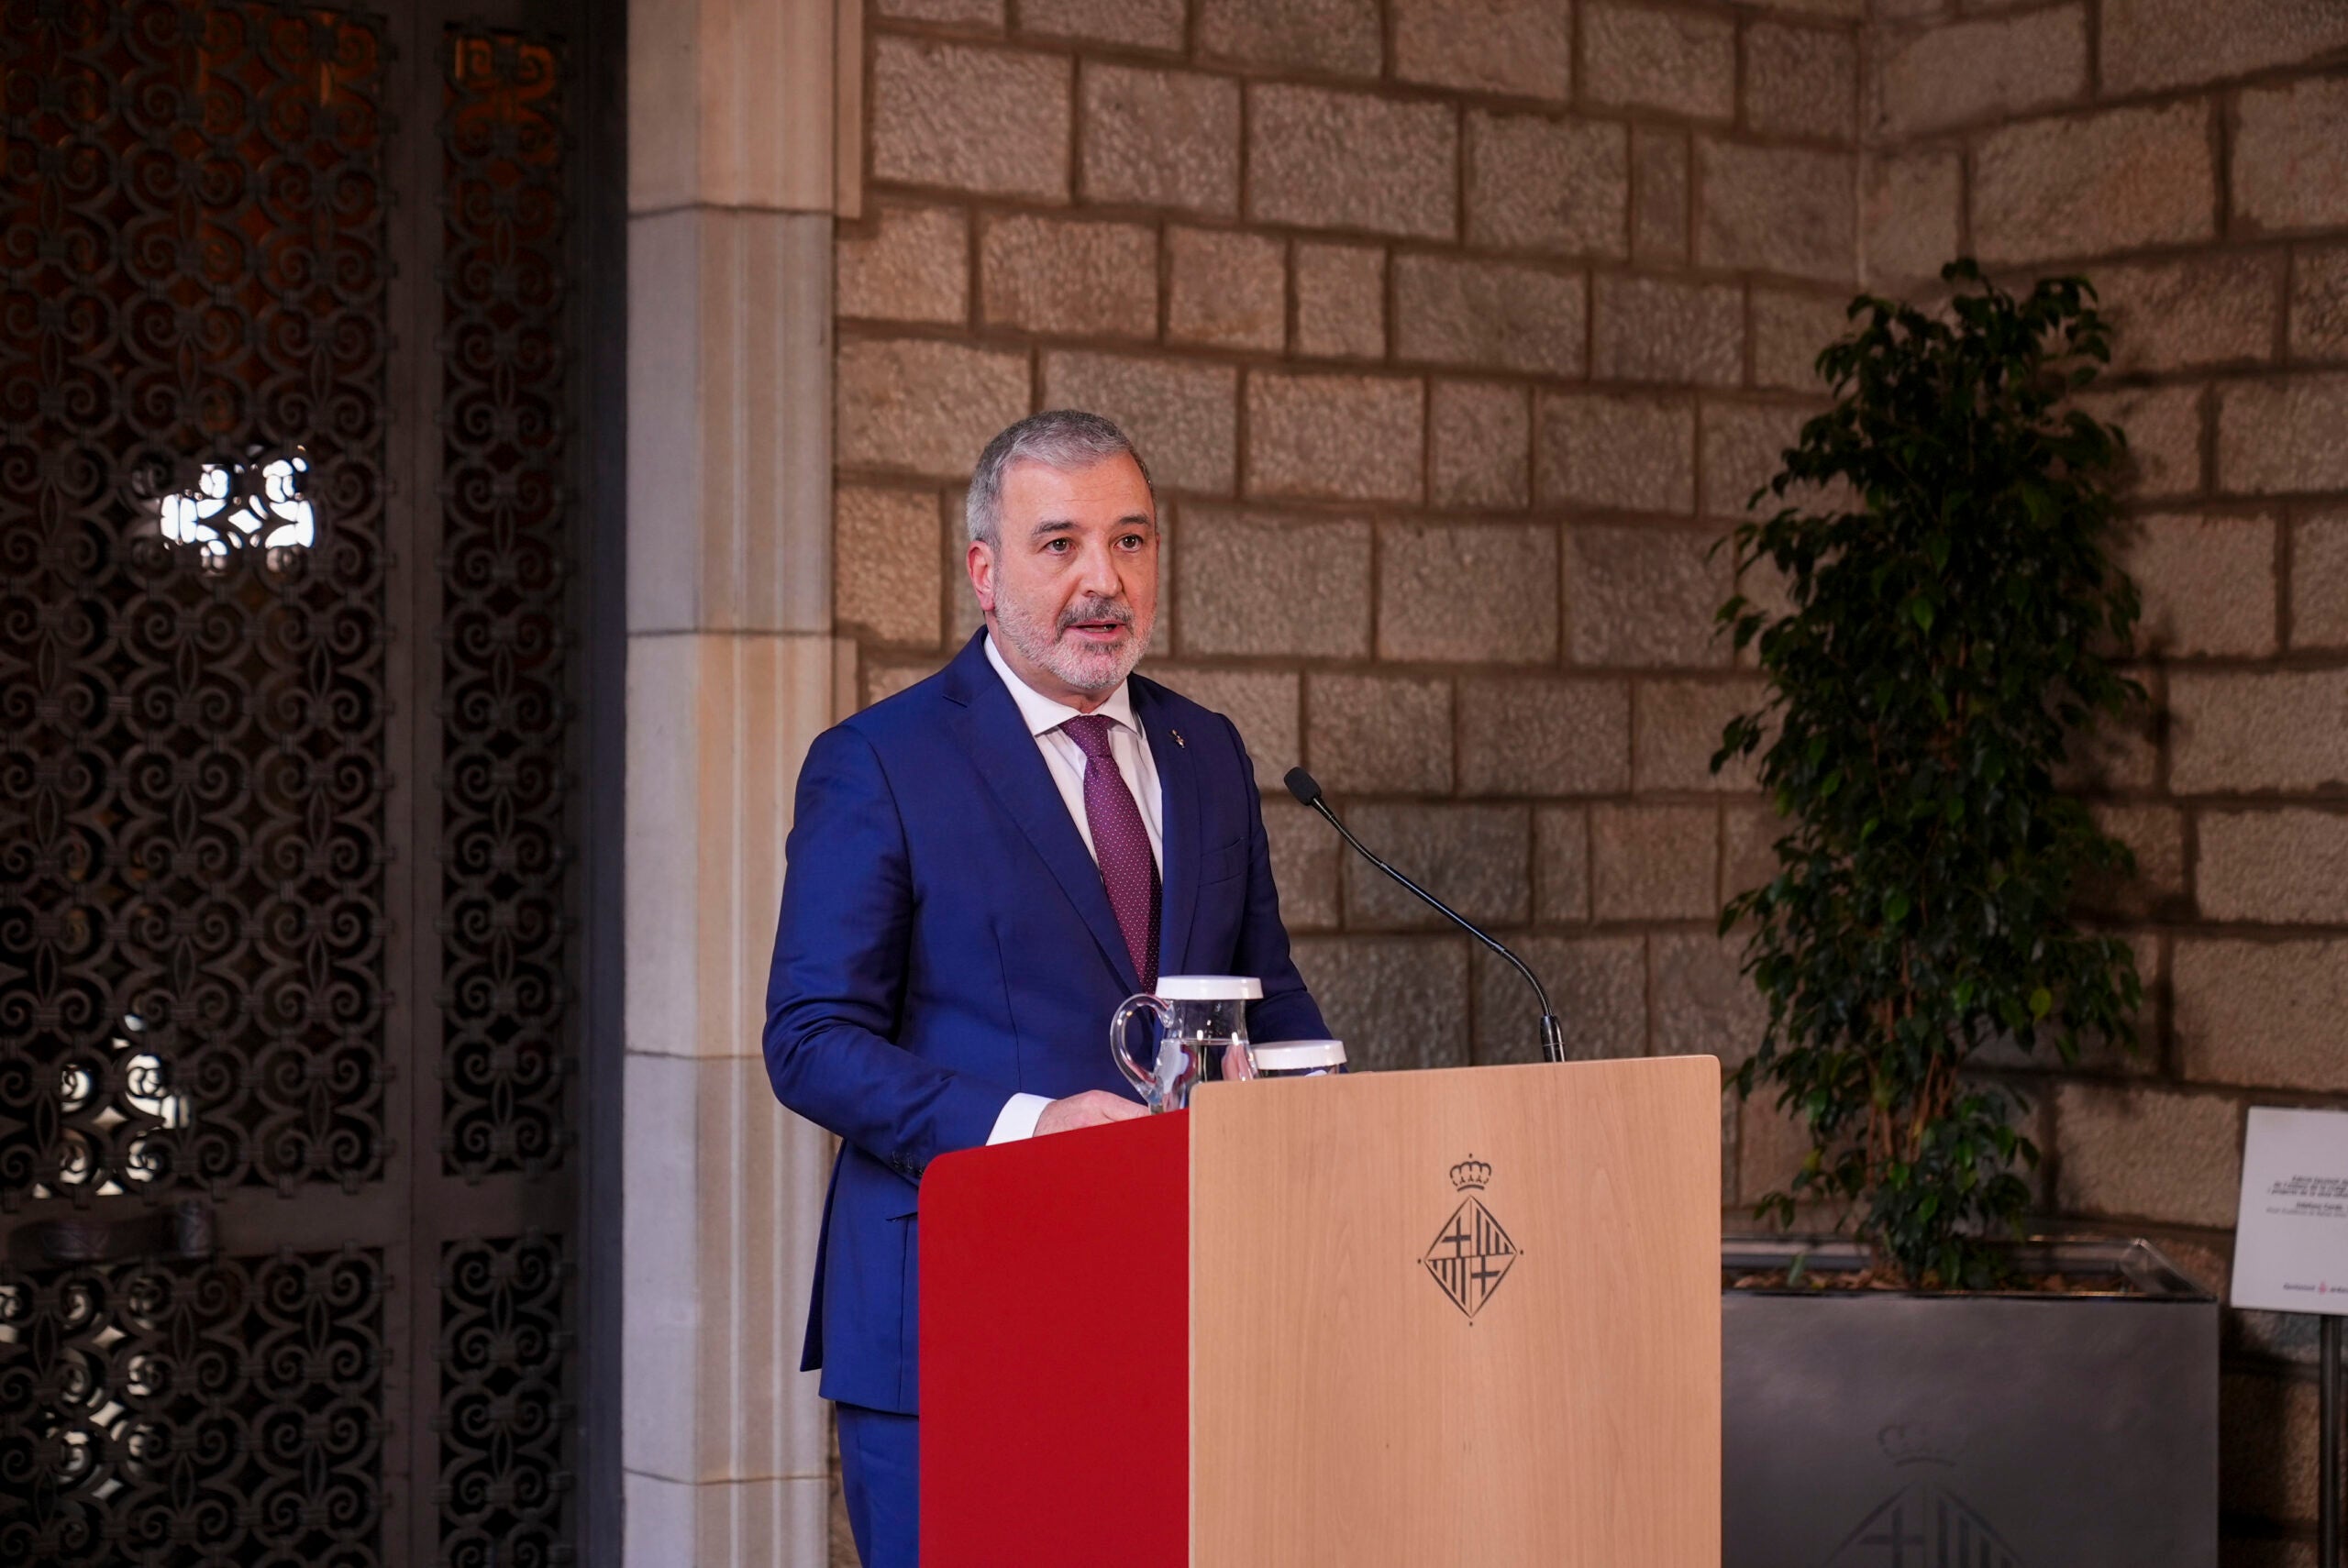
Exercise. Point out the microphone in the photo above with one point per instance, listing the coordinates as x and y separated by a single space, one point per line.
1300 784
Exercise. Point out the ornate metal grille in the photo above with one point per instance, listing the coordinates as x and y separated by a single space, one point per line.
189 1416
505 1411
192 777
505 572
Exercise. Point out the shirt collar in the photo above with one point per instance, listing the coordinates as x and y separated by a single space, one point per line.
1042 713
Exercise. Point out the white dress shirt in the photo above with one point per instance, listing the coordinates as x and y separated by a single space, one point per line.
1064 760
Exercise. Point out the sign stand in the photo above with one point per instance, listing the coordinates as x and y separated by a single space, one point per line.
2291 1256
2327 1528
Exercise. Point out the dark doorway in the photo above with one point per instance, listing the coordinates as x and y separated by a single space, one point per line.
291 520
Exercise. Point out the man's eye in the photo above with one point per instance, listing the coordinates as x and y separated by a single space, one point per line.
1057 546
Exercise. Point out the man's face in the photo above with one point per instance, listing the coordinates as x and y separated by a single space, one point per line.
1070 590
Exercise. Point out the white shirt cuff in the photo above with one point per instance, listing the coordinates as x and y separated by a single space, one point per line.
1018 1118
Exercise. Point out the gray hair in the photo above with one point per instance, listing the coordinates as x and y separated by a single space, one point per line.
1062 438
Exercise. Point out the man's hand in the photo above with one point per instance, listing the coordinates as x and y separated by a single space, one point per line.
1093 1107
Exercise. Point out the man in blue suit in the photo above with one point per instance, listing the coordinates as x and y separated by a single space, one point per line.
980 870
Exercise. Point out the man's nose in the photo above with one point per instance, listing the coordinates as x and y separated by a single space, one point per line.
1100 571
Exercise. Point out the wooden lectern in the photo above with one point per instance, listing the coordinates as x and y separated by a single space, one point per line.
1468 1316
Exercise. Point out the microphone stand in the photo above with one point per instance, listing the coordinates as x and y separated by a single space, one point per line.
1553 1037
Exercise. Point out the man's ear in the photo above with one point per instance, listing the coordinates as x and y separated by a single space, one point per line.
980 560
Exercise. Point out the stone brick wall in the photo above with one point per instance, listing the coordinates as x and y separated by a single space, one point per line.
1456 330
2192 158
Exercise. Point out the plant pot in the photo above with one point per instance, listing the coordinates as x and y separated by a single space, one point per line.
1997 1430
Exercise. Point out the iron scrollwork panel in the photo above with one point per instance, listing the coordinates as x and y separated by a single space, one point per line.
505 1358
506 706
194 1415
192 345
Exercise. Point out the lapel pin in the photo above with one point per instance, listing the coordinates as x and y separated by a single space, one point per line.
1177 737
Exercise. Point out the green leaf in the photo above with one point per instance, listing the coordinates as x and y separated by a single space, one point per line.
2042 1002
1895 907
1920 609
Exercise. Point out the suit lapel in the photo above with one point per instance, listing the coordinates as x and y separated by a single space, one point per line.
1178 782
992 731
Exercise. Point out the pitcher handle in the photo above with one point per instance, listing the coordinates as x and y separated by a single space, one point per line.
1145 1082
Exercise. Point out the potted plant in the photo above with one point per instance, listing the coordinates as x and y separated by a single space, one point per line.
1929 1391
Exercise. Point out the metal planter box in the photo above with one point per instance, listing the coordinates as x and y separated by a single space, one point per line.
1900 1429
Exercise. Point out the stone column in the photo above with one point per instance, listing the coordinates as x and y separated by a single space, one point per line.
729 675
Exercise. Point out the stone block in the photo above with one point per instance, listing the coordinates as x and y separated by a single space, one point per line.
2268 1442
992 121
1278 587
2320 581
2150 44
2286 866
1480 437
1398 1002
1981 69
972 13
2261 1014
1538 183
1789 210
1266 705
1679 61
2278 436
1225 289
2200 311
2320 303
1677 728
1644 597
1659 195
1378 735
1161 138
1503 316
2207 583
1653 862
1705 1005
1561 863
1320 158
1482 592
1475 859
1771 1144
2257 731
1340 300
2156 835
910 264
1305 864
1520 48
1181 415
1597 984
886 563
1625 453
926 407
1543 736
1341 437
1788 330
1654 329
2290 160
884 679
1144 24
1340 37
1743 448
2088 184
2164 429
1911 213
1070 276
1749 836
2142 1153
1801 81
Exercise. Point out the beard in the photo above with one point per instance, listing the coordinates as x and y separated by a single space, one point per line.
1041 640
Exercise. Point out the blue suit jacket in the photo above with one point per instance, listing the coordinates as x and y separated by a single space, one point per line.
946 942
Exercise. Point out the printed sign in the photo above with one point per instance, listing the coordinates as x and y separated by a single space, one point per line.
2291 1242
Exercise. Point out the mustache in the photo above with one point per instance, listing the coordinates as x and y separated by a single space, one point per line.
1096 610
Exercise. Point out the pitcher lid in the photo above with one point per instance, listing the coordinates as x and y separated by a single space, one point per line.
1209 987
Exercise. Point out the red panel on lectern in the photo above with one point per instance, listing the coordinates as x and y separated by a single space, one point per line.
1054 1350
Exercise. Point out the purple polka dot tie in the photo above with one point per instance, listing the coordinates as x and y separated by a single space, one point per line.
1120 843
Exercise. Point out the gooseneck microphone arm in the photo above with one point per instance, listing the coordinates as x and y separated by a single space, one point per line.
1307 793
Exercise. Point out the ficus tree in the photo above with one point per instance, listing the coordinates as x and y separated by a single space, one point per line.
1951 624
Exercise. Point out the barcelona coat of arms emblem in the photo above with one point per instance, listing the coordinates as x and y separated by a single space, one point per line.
1472 1253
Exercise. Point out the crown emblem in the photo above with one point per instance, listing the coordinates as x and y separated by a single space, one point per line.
1470 1174
1916 1442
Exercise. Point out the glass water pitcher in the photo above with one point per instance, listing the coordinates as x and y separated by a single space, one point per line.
1202 1026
